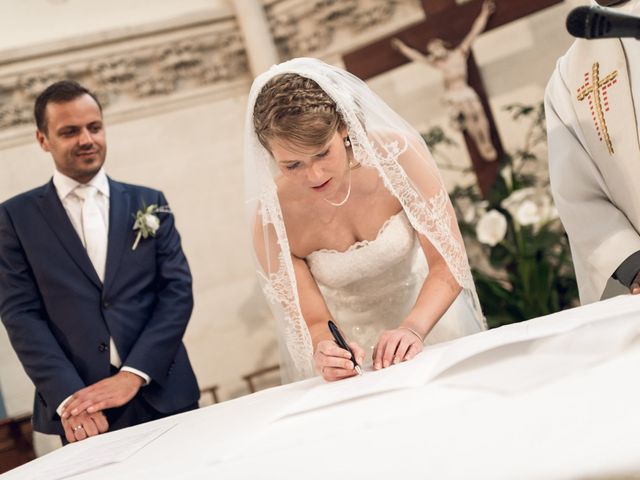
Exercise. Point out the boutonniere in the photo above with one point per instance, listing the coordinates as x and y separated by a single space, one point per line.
147 222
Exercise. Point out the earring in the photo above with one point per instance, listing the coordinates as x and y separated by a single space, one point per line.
347 142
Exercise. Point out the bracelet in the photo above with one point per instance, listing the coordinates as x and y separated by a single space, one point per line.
414 332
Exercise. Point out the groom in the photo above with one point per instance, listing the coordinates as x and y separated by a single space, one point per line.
96 324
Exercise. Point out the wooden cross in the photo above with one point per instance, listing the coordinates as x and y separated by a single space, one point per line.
447 20
598 103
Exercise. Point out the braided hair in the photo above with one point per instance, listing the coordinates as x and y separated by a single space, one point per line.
295 109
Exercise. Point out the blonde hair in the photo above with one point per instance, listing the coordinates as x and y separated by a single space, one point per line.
295 109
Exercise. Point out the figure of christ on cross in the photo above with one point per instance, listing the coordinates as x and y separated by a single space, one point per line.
451 21
466 110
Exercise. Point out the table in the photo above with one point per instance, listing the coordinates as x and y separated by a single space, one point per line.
553 397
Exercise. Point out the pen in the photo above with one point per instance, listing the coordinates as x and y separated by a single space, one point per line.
342 344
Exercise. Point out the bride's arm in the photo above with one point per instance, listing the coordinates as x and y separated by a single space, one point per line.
440 288
312 305
438 292
331 361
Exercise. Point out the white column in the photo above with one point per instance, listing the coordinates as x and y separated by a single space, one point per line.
261 49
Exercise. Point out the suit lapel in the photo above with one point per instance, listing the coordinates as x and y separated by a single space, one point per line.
57 218
120 224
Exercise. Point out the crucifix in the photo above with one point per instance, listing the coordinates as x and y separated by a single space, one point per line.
450 21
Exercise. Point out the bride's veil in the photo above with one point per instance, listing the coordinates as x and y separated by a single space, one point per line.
380 139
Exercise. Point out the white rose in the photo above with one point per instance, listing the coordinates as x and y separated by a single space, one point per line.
527 213
548 211
491 228
467 209
469 214
152 222
513 201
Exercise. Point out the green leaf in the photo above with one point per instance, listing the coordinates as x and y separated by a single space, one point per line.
499 256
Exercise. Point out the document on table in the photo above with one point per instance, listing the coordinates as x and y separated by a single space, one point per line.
89 454
582 336
428 364
520 366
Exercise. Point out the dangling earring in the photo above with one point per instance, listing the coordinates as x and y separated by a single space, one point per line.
347 142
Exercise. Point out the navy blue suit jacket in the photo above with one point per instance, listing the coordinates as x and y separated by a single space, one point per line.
59 315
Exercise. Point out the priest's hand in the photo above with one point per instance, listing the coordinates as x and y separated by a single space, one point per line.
111 392
635 285
333 362
84 426
395 346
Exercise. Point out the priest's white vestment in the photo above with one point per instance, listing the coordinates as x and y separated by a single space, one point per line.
592 102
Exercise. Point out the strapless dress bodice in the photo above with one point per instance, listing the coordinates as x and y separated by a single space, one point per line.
373 285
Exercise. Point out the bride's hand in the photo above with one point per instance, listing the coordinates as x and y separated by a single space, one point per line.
333 362
395 346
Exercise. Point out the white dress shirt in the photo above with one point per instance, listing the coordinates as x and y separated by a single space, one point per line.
72 204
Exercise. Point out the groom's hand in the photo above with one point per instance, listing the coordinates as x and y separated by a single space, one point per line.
111 392
84 426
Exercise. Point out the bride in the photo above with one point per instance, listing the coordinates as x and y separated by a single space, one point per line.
351 222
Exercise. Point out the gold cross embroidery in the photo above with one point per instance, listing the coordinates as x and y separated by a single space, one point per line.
598 101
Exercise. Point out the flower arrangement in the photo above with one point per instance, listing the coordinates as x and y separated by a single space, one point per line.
519 252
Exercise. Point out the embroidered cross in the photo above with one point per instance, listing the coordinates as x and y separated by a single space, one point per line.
598 101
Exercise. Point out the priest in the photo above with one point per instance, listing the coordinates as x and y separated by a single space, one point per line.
592 102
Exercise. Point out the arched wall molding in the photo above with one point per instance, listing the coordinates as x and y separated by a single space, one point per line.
187 61
134 75
323 28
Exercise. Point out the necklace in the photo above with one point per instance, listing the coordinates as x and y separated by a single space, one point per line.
339 204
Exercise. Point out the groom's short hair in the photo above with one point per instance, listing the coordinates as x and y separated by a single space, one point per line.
58 92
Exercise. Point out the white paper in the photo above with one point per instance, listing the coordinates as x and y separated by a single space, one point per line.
370 382
509 369
88 454
489 347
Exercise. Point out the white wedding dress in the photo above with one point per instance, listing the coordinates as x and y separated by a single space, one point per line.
373 285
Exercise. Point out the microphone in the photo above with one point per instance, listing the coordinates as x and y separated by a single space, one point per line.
595 22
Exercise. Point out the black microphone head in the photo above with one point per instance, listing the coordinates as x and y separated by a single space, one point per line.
598 22
577 22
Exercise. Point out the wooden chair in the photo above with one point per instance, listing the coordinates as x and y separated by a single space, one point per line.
16 443
263 378
212 393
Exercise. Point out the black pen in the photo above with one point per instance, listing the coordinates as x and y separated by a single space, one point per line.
342 344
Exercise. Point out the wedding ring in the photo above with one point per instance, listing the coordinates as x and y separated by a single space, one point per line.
76 428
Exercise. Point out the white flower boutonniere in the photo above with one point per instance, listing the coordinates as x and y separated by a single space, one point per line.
147 222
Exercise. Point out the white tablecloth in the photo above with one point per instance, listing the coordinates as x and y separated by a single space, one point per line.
554 397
